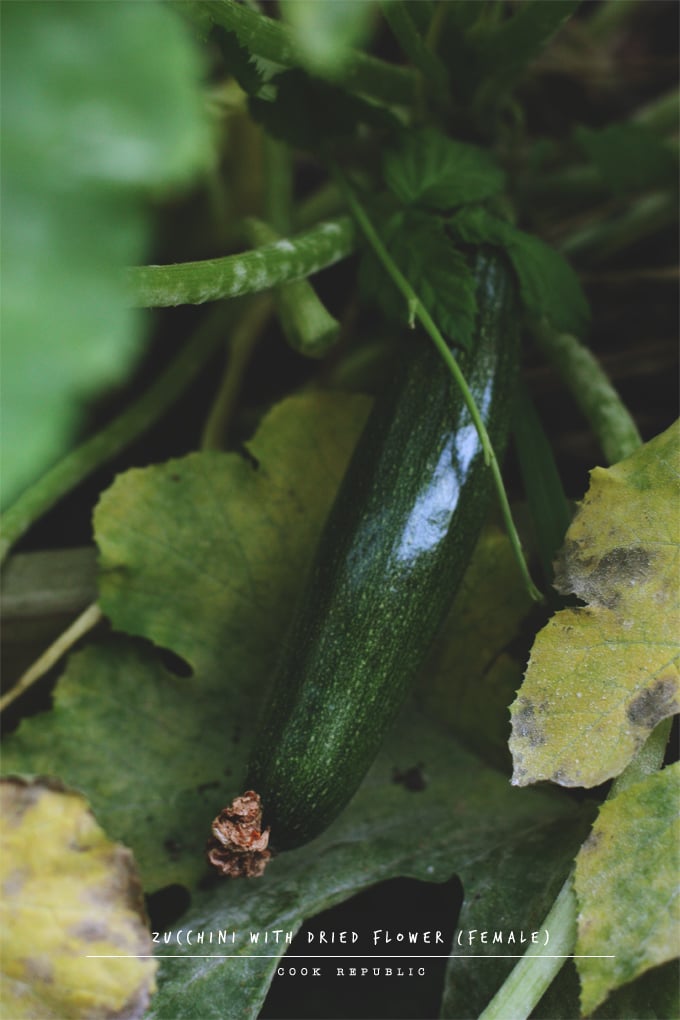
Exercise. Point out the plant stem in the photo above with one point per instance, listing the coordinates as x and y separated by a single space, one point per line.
419 311
114 437
278 184
308 327
192 283
242 343
274 41
599 240
527 982
66 640
608 416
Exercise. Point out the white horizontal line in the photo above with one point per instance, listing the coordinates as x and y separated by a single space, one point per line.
327 956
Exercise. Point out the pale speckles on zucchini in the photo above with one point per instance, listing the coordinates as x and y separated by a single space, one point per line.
391 557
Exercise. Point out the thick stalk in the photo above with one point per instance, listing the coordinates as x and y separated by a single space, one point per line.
588 383
193 283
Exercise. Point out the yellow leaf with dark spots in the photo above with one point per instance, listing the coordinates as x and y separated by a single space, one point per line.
70 898
603 675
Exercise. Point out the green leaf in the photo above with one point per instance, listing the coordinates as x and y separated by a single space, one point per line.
476 640
506 49
238 61
602 676
630 157
68 894
428 169
325 33
627 886
549 287
438 273
513 902
309 113
204 556
465 819
83 144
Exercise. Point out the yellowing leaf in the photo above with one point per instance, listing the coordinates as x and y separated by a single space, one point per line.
601 677
69 897
627 886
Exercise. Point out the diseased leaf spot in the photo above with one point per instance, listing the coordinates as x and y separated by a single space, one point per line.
526 726
654 704
412 779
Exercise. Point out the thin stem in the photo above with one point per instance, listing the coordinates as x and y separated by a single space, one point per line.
528 981
243 340
193 283
588 383
420 312
278 184
66 640
35 501
274 41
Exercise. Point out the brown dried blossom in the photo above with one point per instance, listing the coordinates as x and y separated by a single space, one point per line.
238 847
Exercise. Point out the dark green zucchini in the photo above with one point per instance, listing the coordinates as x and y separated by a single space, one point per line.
394 549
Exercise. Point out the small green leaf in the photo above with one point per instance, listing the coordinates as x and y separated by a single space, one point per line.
549 287
428 169
438 273
504 50
69 897
601 677
627 887
325 33
630 157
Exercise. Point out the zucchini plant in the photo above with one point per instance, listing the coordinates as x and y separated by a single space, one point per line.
342 565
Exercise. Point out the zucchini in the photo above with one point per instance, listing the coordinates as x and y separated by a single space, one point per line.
394 549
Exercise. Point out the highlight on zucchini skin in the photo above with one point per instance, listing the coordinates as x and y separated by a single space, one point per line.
390 559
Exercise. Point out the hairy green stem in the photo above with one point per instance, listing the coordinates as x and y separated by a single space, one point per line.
583 375
307 325
114 437
193 283
419 311
274 41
